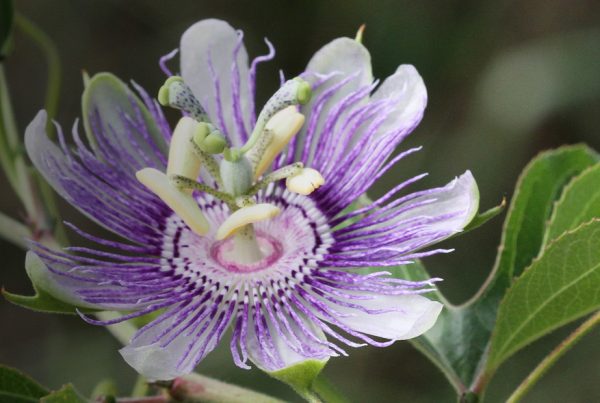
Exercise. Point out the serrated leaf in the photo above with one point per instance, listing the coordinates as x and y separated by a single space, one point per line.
16 387
7 14
579 203
66 394
562 285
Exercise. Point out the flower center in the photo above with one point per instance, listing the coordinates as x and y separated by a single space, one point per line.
227 254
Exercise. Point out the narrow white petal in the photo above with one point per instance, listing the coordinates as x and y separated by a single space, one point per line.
406 90
208 55
413 315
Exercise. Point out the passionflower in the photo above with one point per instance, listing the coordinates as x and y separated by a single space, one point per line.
253 224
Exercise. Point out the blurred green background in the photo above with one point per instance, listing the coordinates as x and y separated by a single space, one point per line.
506 79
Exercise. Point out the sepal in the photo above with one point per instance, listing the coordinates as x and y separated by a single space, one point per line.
48 297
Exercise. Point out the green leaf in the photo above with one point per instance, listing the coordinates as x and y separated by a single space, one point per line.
7 16
579 203
539 186
562 285
66 394
46 291
16 387
108 97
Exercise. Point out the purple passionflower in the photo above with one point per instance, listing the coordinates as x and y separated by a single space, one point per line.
221 241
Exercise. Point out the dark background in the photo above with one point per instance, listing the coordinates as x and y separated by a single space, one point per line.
506 80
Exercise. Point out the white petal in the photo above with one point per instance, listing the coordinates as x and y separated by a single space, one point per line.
407 89
345 57
460 198
413 315
244 216
281 351
148 354
215 40
184 205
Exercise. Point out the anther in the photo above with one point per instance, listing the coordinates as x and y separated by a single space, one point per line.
305 182
182 158
183 204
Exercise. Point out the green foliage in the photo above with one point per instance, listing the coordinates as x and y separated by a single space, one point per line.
66 394
16 387
560 286
7 15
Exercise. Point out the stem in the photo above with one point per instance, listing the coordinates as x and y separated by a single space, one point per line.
551 359
11 153
54 68
14 232
197 388
123 331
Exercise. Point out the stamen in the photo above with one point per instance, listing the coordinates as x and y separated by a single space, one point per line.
209 163
176 94
184 205
245 216
279 131
282 173
306 182
292 92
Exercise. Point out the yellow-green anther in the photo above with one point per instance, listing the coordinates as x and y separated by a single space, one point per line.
294 92
176 94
